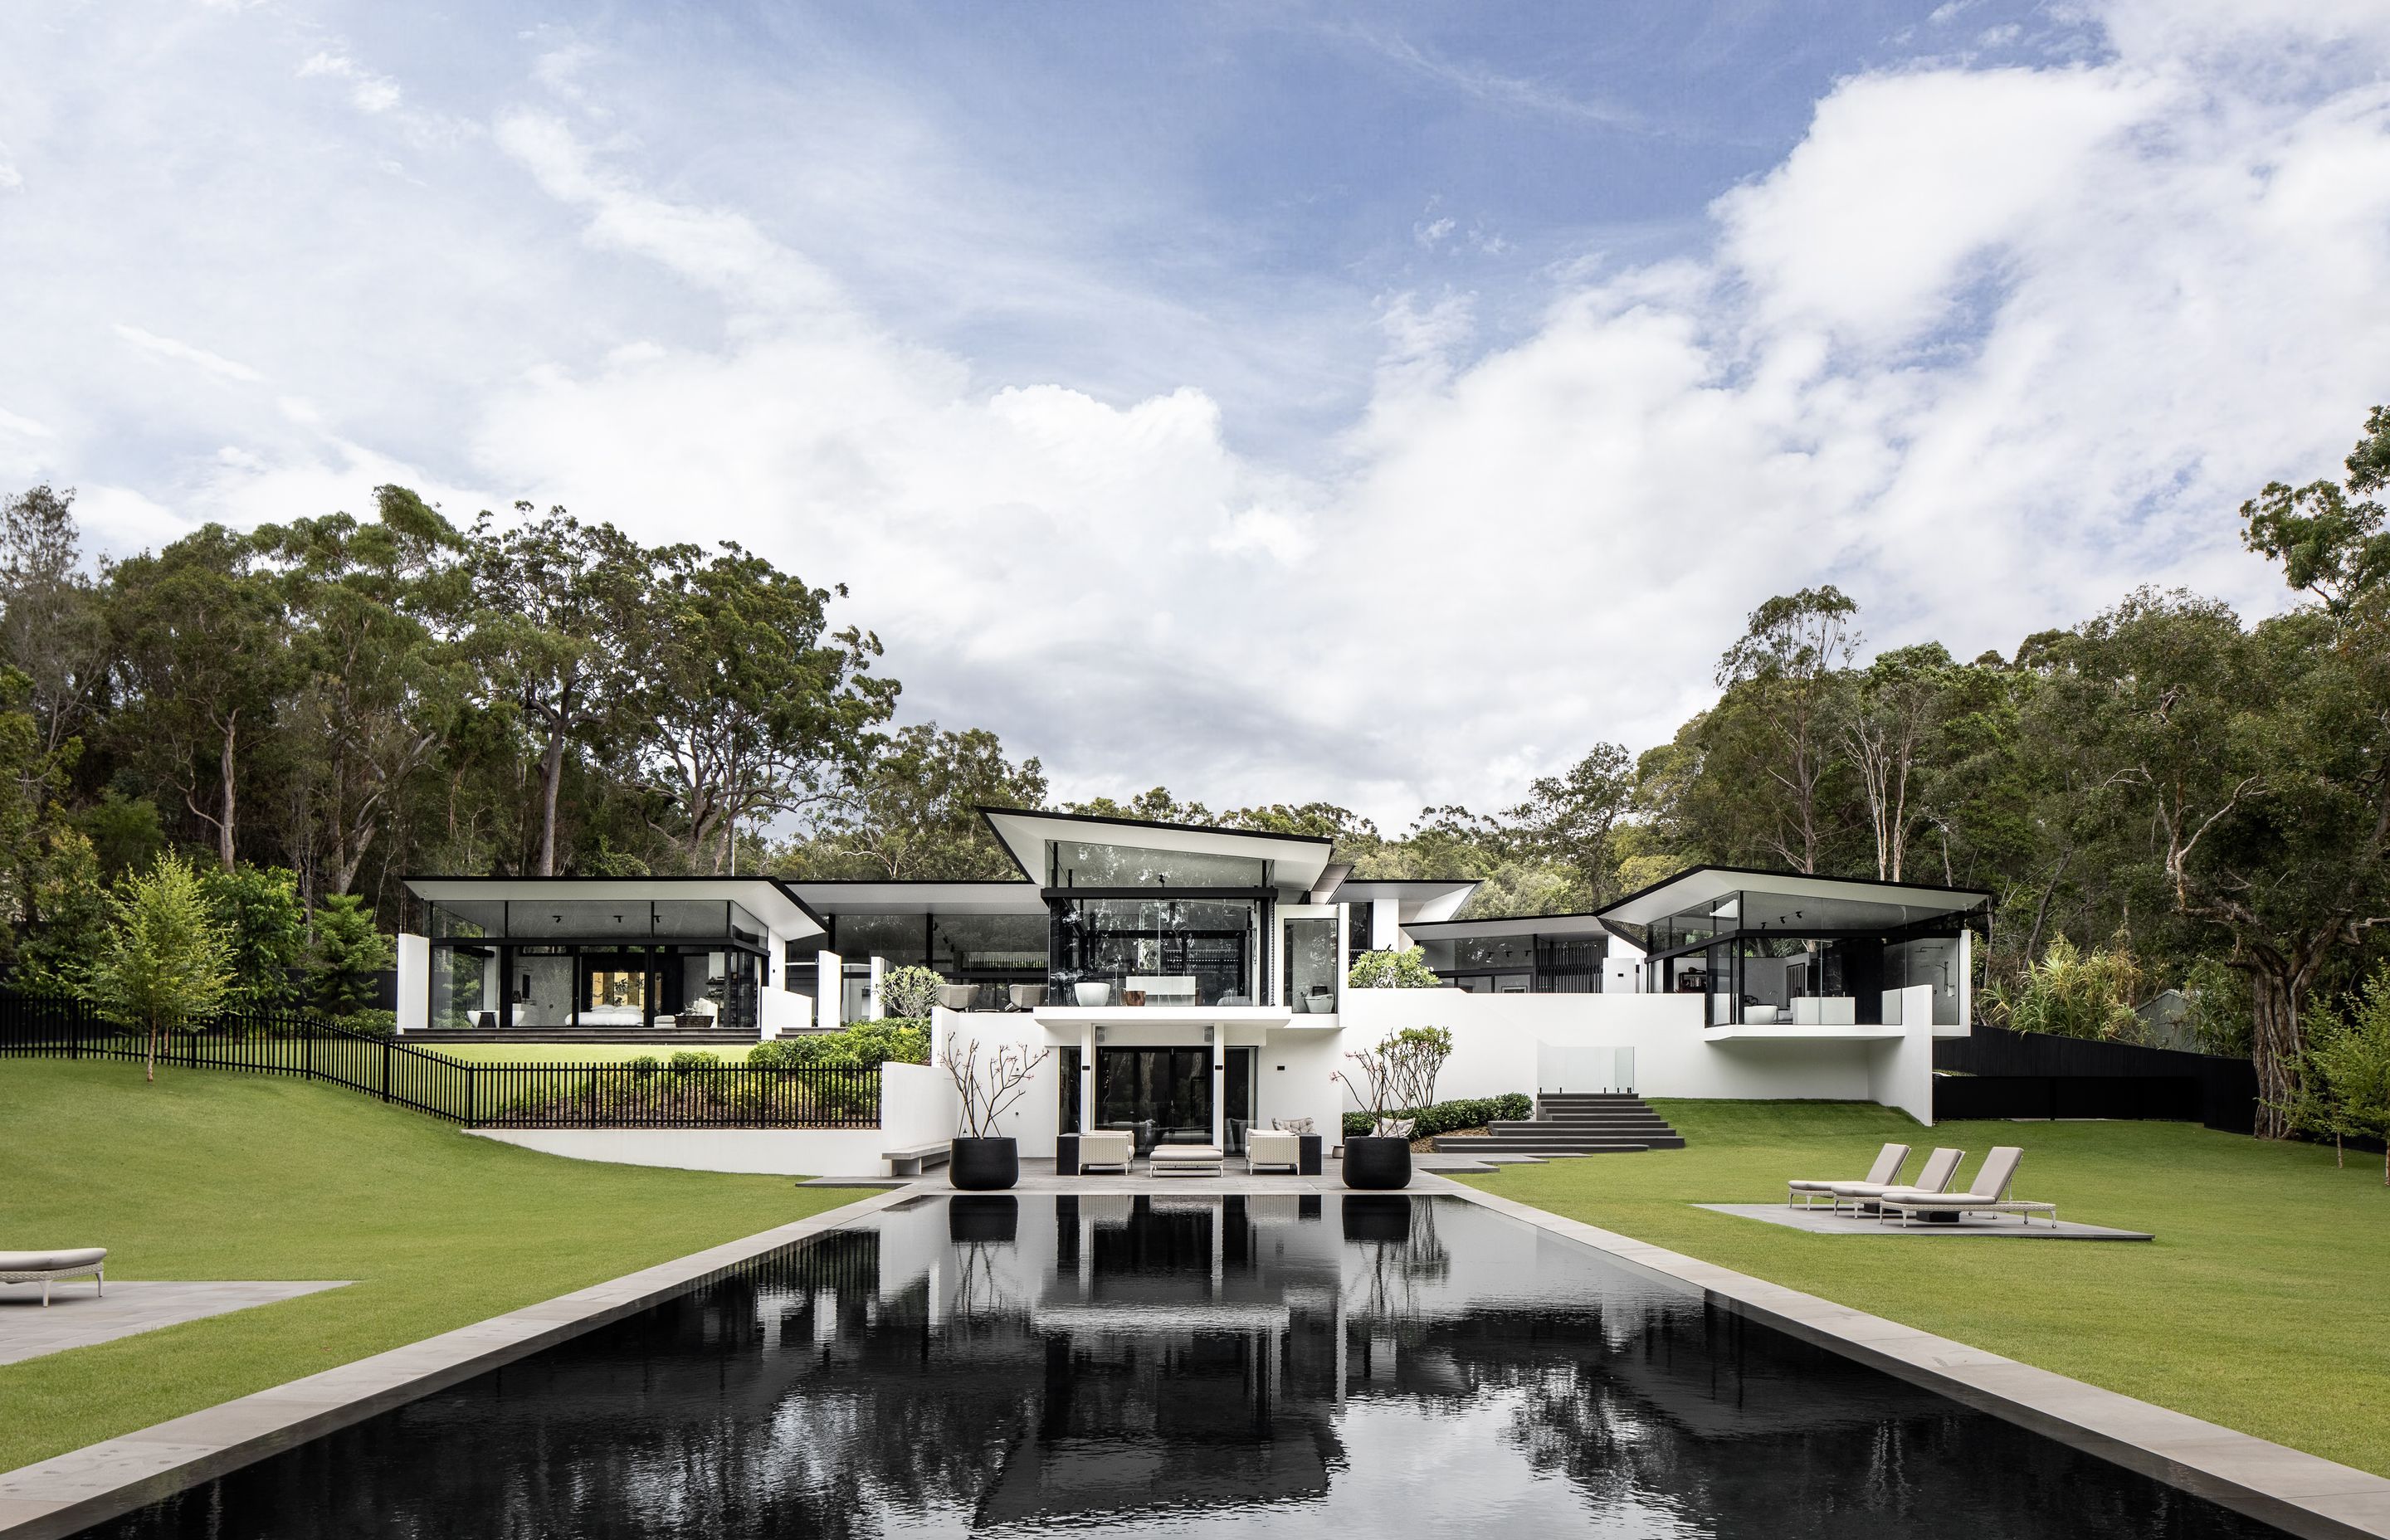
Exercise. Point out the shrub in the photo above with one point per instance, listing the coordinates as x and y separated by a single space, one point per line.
2071 992
910 991
692 1059
1446 1116
1406 969
648 1064
373 1023
350 955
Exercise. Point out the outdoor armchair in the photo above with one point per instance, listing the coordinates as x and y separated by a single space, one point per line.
1932 1177
1989 1193
1885 1173
1107 1147
1267 1148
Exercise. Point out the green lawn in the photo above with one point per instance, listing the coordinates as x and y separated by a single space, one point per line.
732 1052
2258 1306
213 1175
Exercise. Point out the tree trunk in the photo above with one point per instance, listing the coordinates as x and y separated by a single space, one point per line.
150 1072
223 824
551 778
2275 1049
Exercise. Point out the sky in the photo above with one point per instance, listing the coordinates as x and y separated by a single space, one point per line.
1273 401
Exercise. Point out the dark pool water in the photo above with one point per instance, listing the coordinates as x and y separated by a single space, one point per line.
1303 1367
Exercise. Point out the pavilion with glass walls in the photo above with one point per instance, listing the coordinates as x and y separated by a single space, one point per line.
509 952
1785 950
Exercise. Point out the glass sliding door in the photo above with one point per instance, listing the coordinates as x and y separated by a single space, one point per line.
1164 1093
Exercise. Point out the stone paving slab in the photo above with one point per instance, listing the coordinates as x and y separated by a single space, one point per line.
1825 1221
57 1497
77 1317
2303 1494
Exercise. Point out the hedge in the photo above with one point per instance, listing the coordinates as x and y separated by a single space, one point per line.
1445 1117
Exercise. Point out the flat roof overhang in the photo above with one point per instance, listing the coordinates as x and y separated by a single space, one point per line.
1699 885
1425 900
1176 1016
1299 858
918 898
1510 925
764 897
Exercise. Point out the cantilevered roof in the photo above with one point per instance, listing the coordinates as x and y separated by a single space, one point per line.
1803 900
766 898
1509 925
1424 900
1299 858
867 897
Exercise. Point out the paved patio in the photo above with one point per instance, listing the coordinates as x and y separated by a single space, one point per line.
1825 1221
78 1318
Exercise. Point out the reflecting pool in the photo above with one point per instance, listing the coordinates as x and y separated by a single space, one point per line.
1298 1366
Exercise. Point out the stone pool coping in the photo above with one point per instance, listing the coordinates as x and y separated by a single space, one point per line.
70 1491
2304 1493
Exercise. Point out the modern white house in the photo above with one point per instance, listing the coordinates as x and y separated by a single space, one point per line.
1194 978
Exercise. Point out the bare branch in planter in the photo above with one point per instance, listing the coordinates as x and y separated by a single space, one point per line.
989 1090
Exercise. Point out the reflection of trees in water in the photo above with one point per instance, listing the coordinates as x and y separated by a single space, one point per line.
810 1395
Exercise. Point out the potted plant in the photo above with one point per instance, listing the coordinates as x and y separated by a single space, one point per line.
1382 1158
980 1159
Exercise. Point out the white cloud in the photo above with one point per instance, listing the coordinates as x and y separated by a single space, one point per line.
183 353
368 92
1987 347
25 427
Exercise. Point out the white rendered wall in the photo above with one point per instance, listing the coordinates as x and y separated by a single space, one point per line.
1496 1037
413 981
1900 1073
769 1151
1033 1117
778 1011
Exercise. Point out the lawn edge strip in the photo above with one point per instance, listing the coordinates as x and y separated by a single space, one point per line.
66 1492
2303 1494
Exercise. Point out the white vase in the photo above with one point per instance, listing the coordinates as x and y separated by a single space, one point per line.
1094 994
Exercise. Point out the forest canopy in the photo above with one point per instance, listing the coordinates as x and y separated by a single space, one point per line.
2170 795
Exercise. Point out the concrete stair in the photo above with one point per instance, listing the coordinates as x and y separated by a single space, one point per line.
1574 1124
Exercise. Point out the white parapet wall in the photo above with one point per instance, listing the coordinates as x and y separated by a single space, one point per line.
916 1107
1502 1042
413 981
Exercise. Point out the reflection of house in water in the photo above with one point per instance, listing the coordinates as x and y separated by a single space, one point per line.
991 1362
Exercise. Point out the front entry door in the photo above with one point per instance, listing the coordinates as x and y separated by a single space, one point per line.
1164 1093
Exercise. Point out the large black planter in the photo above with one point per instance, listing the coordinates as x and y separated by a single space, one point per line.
1372 1162
985 1165
979 1218
1370 1216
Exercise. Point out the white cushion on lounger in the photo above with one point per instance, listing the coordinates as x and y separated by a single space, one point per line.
52 1261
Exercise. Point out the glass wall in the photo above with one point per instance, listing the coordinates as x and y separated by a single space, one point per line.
1520 965
1934 961
464 985
1175 951
1073 865
989 948
594 985
1161 1095
1310 972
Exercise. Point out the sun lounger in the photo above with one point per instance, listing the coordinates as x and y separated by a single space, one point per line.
1989 1193
1932 1176
1885 1173
1107 1147
43 1266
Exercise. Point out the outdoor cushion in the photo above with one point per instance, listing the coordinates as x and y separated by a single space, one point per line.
1192 1153
1107 1147
51 1262
1887 1166
1292 1125
1932 1177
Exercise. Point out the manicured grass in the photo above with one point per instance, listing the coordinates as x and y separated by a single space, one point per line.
207 1175
732 1052
2258 1306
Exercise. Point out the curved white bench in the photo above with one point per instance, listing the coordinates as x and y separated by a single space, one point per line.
43 1266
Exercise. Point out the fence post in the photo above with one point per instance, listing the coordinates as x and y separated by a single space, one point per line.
385 1070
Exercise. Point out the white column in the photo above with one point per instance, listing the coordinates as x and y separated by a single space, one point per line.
830 989
872 1007
413 981
1385 925
1219 1091
1087 1077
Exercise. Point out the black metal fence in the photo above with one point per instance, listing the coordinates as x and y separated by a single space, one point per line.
476 1095
2030 1074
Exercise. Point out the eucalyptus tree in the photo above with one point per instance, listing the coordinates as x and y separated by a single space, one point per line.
53 621
555 601
748 704
1892 709
910 810
1571 822
203 648
374 607
1787 664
